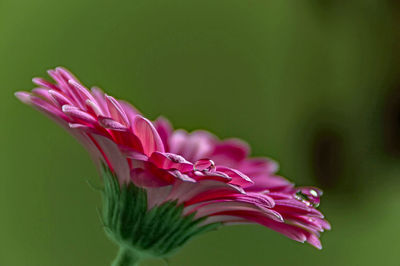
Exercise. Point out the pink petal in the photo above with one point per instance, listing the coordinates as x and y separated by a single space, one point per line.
296 207
314 241
78 126
184 192
290 231
257 166
49 109
44 83
23 96
94 108
151 176
43 93
164 129
143 178
219 176
230 152
292 204
81 93
204 165
66 74
132 154
170 161
59 98
148 135
267 182
62 82
114 157
226 219
182 177
232 208
238 178
280 195
194 146
129 110
126 138
325 224
111 124
116 111
258 200
100 100
79 115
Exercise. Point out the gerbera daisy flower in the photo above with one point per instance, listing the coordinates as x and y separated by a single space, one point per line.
164 186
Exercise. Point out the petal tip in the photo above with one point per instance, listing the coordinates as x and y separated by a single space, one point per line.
23 96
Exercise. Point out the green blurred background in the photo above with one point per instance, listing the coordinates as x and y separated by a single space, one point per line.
313 84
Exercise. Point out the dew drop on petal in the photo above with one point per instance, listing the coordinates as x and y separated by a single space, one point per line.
203 165
313 193
309 196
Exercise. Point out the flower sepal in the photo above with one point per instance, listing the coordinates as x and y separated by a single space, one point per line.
139 231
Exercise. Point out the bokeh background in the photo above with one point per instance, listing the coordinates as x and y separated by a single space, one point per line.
313 84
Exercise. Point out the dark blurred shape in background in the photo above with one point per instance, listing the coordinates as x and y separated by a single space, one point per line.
391 121
327 156
313 83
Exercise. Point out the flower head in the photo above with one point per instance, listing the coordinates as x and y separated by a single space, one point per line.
163 186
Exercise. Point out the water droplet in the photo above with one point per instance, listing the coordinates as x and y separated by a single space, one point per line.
307 198
204 165
310 194
313 193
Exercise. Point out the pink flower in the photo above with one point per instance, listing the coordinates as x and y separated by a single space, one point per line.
213 179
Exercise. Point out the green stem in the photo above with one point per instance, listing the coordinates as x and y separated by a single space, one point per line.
126 257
